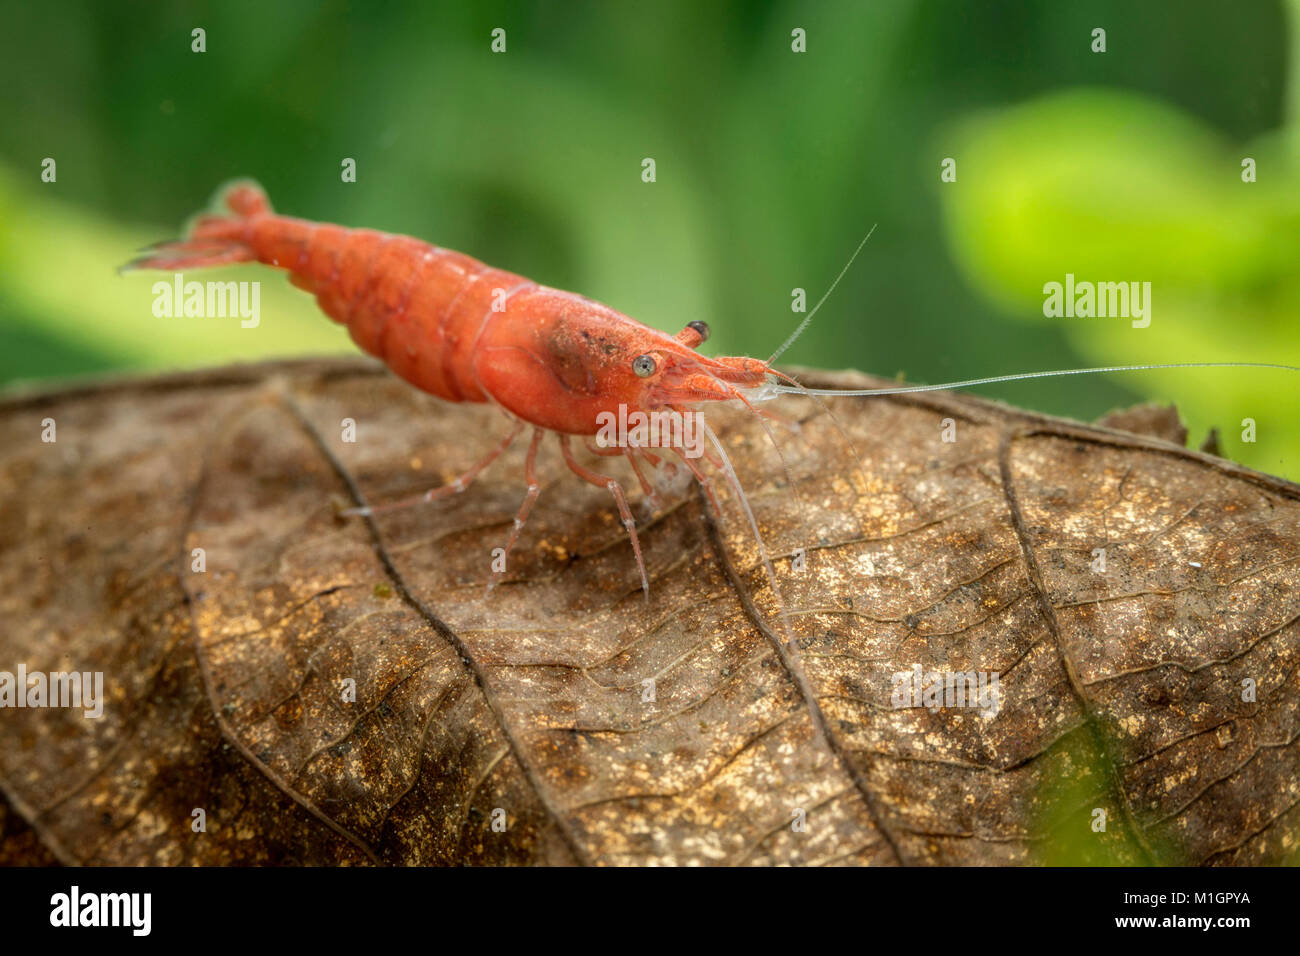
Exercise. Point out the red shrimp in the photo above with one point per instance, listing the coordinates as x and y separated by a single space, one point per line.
467 332
553 360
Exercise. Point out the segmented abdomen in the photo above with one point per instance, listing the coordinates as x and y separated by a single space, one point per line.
415 306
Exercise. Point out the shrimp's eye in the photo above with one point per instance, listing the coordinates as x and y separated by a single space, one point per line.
701 327
644 365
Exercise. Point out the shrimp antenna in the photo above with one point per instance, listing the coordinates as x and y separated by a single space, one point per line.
1020 376
809 317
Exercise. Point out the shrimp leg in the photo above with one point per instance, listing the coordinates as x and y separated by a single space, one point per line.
534 489
614 488
455 487
647 489
612 451
700 476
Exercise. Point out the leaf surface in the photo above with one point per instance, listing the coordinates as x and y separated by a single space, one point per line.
717 723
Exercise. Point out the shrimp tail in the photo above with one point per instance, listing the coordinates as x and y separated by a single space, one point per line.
218 237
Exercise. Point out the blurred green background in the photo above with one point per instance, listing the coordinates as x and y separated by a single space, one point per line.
771 166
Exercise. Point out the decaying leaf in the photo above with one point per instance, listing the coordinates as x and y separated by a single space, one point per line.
327 689
1153 419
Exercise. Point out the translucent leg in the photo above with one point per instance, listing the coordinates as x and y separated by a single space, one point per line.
701 477
615 489
647 489
534 489
456 487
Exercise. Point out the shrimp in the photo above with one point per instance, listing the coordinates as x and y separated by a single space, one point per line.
466 332
550 360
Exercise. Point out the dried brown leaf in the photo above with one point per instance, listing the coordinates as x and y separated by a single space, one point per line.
1121 688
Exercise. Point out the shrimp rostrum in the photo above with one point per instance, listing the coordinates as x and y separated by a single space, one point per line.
466 332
